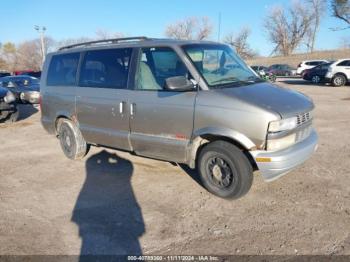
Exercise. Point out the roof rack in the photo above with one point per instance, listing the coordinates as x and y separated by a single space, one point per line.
112 40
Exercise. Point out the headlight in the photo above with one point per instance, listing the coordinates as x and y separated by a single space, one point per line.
9 98
283 124
280 143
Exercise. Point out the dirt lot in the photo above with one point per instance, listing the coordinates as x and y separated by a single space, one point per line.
115 203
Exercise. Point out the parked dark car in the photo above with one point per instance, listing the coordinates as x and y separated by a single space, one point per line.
282 70
3 73
8 107
36 74
316 74
25 88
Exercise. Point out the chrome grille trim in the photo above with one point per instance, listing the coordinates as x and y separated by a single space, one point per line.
303 118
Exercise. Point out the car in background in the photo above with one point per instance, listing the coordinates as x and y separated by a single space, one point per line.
316 74
282 70
262 71
8 107
339 72
25 88
308 64
36 74
4 73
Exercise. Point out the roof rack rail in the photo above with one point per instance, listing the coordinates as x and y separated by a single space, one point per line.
112 40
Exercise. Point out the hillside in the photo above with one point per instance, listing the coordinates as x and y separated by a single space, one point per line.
294 60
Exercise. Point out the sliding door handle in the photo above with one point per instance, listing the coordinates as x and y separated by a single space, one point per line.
132 109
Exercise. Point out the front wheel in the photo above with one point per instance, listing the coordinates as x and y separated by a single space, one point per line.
13 117
224 170
72 142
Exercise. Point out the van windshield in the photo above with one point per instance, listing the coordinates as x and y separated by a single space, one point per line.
220 66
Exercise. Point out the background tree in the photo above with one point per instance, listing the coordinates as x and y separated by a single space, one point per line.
341 10
29 55
102 34
287 30
9 55
318 8
240 42
190 28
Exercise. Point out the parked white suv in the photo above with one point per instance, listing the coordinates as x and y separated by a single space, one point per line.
339 72
308 64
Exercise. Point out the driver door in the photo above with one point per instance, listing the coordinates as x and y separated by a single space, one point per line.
161 121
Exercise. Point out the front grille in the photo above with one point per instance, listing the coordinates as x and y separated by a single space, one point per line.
303 118
303 133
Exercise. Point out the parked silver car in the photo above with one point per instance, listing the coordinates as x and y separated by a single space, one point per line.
191 102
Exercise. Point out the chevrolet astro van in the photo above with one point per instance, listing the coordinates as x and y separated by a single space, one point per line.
191 102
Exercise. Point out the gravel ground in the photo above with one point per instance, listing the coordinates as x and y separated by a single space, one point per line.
114 203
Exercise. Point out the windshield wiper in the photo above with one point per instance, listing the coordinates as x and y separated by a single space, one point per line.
226 79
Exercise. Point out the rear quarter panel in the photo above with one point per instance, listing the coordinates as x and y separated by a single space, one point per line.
56 101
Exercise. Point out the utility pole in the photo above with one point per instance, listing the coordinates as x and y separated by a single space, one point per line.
41 31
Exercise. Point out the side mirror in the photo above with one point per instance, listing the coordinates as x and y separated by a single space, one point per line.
179 83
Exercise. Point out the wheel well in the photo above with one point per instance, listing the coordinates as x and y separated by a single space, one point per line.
342 74
211 138
58 120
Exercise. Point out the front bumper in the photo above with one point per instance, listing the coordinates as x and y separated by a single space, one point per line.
32 97
273 165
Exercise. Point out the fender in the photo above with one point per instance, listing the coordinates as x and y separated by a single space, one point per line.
198 140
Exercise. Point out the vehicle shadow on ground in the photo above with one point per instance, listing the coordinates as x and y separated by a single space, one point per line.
107 213
26 111
298 82
192 173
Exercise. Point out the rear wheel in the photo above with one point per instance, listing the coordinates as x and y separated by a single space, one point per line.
72 142
224 170
316 79
339 80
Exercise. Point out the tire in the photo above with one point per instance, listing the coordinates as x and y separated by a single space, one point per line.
339 80
72 142
13 117
224 170
316 79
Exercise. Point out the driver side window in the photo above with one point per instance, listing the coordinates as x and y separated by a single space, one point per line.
156 65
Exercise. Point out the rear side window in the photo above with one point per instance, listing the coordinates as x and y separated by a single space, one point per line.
344 63
63 70
106 68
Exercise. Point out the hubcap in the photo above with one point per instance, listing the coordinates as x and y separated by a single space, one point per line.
316 79
220 173
68 140
338 81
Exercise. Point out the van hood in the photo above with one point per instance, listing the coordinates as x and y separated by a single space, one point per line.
283 101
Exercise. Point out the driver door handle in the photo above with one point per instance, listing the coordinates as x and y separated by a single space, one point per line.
121 107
